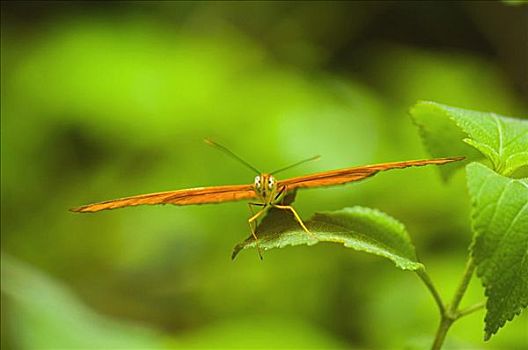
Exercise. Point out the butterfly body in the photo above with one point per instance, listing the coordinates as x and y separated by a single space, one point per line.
265 187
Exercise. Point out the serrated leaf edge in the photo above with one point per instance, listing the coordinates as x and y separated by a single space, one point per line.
489 333
410 265
502 167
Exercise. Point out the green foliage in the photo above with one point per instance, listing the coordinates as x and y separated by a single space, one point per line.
515 2
500 248
499 213
502 140
252 332
48 316
359 228
499 204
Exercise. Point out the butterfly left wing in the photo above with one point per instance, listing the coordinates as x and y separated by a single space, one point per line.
201 195
342 176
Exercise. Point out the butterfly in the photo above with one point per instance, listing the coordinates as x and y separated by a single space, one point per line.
266 191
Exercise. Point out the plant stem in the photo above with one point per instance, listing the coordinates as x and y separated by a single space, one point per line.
470 309
429 284
441 332
468 273
451 313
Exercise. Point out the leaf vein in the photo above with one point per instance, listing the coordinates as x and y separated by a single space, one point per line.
499 128
513 139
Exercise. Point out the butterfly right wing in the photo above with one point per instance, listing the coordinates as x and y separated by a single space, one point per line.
201 195
343 176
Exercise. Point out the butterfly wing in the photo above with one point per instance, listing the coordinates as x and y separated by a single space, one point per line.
201 195
342 176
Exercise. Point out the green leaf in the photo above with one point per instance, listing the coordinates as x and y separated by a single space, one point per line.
360 228
448 131
500 246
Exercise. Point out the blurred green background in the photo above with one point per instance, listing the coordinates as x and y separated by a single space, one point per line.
106 99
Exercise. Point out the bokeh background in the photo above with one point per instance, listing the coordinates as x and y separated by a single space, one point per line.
106 99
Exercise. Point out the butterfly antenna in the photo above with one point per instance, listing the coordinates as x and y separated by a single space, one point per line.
231 154
294 165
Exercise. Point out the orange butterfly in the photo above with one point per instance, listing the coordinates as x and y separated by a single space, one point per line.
265 189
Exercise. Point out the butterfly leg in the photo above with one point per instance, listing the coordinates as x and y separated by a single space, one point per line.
283 188
252 222
254 217
297 217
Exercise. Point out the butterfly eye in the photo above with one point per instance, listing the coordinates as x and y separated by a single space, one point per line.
257 181
271 181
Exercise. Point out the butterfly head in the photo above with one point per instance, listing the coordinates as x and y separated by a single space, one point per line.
265 186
